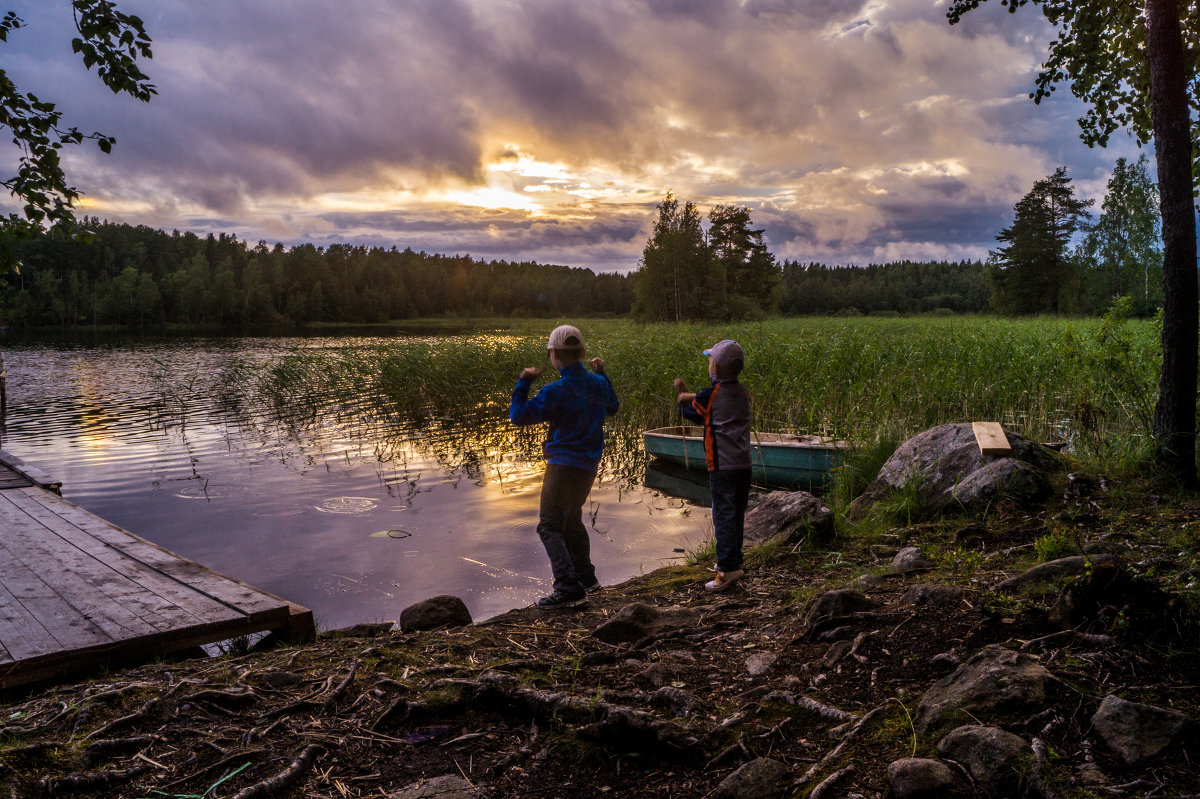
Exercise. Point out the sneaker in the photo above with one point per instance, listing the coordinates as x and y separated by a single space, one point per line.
561 599
593 588
723 580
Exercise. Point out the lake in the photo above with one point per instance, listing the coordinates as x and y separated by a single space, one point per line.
341 510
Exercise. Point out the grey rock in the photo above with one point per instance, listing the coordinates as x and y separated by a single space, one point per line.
1136 731
839 602
653 676
676 700
920 777
867 582
430 614
786 517
910 560
365 630
637 620
1052 572
760 663
995 680
1006 477
998 761
448 786
279 680
763 778
931 594
940 464
946 662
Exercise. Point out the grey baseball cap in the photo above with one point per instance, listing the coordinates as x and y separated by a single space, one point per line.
724 353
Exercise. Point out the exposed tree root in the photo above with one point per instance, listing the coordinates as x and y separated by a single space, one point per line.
283 779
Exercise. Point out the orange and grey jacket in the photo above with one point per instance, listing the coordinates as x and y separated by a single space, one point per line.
724 410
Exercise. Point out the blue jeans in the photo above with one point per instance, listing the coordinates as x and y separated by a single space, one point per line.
560 526
730 494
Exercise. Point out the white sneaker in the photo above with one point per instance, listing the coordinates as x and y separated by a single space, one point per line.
723 580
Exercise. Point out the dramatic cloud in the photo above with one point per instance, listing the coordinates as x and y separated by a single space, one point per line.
856 130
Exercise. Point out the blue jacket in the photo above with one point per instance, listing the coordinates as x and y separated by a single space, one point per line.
575 405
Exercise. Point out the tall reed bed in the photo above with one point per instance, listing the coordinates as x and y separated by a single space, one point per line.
858 379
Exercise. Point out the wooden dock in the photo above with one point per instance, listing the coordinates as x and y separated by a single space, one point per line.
77 592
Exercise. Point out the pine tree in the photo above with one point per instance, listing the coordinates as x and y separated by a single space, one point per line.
1032 273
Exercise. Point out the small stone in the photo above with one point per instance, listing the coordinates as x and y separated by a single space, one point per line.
839 602
925 594
763 778
279 680
1136 731
430 614
920 778
676 700
867 582
365 630
911 560
760 663
653 676
946 662
448 786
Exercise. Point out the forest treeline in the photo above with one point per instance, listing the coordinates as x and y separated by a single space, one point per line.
143 277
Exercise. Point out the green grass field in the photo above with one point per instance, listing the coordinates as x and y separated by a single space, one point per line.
864 380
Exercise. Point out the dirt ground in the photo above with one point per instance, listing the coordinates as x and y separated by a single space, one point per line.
531 704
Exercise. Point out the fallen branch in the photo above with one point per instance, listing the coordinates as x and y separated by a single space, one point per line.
285 778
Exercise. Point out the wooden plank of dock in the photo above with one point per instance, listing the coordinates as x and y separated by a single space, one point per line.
77 591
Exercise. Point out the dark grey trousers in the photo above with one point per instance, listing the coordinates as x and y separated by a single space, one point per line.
560 526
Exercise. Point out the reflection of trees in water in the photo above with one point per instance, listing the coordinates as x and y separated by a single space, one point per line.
320 405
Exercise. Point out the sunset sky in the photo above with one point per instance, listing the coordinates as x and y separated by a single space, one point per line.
856 130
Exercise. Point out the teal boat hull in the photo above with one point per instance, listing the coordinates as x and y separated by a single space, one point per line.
779 459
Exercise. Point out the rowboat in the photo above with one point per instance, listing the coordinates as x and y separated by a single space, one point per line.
778 459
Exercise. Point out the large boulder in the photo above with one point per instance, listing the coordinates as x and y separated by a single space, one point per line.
946 470
637 620
438 611
1136 731
994 681
787 516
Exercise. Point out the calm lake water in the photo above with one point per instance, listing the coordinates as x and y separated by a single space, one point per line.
339 512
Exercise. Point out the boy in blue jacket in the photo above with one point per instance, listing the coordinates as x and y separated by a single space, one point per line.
575 407
724 410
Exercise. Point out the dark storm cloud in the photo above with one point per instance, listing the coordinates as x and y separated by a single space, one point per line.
853 129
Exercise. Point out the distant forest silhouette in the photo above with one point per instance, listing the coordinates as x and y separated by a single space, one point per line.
143 277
